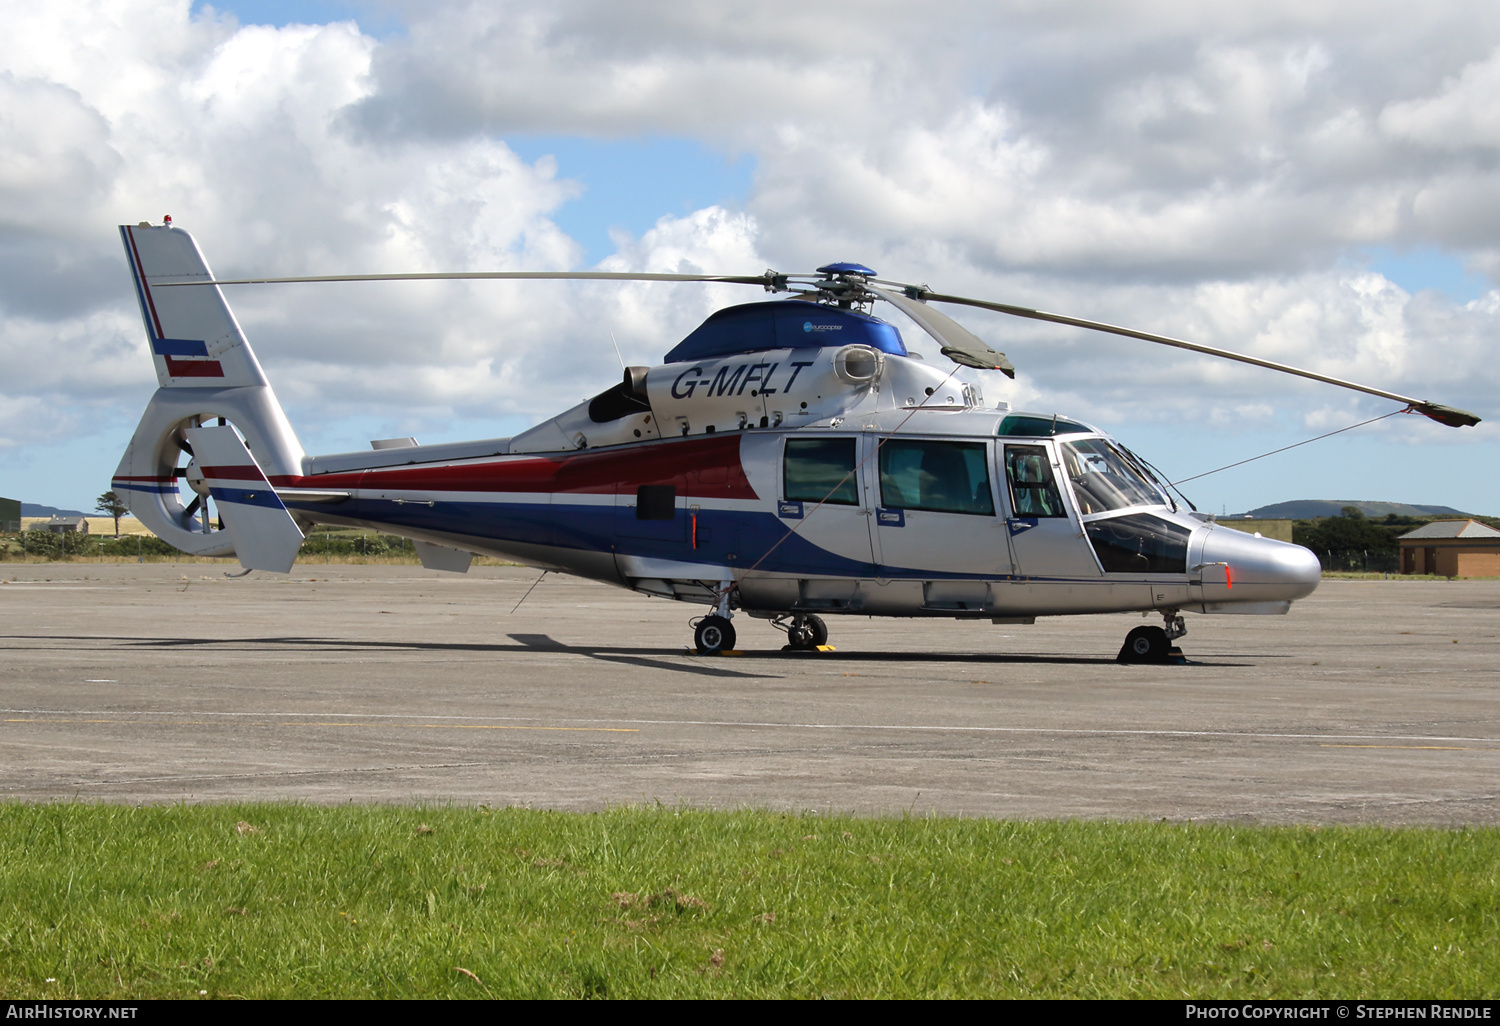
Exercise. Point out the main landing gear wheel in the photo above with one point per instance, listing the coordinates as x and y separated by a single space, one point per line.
713 634
1145 645
806 633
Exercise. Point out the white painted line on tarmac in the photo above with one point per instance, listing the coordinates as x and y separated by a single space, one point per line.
269 722
1092 731
266 774
759 724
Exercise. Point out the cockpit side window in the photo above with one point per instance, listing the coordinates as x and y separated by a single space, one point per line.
1033 489
1103 479
820 470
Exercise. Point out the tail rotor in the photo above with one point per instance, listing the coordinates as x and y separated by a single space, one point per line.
193 477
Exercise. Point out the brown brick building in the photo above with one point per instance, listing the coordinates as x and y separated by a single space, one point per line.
1451 548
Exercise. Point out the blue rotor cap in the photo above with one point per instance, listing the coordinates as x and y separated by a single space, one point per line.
846 269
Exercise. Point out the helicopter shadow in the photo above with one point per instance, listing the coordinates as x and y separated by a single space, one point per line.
543 641
990 658
531 643
676 660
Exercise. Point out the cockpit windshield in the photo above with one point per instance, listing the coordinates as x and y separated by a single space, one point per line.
1103 479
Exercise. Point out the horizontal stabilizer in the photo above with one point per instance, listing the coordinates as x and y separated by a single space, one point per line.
265 536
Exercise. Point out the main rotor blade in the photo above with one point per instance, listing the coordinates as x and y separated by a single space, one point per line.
1442 414
732 279
958 343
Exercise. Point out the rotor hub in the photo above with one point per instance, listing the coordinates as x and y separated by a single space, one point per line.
193 475
843 285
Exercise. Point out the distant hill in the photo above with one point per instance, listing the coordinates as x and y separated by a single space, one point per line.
1307 509
32 509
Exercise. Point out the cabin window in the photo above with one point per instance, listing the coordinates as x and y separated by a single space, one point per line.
1140 544
820 470
656 502
1104 480
944 477
1033 489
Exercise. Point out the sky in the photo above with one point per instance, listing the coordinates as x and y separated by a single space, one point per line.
1313 183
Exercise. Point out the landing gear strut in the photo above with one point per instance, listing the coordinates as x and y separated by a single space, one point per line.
806 633
1154 644
714 633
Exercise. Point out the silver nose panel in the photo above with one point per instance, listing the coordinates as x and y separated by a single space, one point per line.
1260 569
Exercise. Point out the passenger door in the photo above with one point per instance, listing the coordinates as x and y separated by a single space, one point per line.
822 500
1046 538
936 512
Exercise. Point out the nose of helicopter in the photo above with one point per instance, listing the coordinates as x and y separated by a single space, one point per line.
1262 569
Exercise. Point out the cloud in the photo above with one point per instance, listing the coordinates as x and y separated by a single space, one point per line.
1198 170
236 132
1463 115
603 68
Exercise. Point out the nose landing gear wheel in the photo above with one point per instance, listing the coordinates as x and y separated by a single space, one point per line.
713 634
807 633
1145 645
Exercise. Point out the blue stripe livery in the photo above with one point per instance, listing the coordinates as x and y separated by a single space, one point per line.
247 497
729 537
179 347
138 486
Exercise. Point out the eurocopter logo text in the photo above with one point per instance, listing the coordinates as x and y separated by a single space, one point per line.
810 326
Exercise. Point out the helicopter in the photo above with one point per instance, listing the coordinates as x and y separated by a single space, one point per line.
790 460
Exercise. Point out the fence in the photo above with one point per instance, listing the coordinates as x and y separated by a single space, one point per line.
35 544
1361 560
328 545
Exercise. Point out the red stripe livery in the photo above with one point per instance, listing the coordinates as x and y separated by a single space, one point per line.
193 368
706 468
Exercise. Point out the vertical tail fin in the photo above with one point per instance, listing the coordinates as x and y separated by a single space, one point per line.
195 340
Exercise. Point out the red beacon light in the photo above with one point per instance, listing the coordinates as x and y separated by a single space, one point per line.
166 219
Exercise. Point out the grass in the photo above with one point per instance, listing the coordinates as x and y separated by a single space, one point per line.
343 545
297 901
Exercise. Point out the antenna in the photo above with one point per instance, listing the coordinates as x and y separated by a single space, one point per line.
617 348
